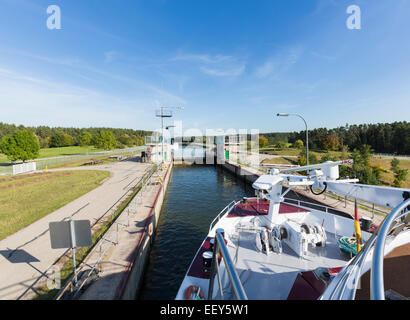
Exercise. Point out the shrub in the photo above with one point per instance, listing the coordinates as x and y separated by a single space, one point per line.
21 145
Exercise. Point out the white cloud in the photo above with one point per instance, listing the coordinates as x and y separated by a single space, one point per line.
280 62
34 101
224 73
204 58
218 65
266 69
323 56
110 55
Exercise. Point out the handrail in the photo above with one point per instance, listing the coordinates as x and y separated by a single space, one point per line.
350 274
69 283
222 213
299 204
376 282
220 249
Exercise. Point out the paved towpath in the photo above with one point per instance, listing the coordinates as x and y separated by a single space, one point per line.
27 254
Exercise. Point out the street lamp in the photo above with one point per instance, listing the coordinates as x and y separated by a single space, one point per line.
307 136
160 113
172 139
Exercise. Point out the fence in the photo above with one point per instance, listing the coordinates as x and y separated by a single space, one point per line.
110 238
42 164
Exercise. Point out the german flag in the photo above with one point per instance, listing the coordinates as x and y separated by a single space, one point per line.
359 241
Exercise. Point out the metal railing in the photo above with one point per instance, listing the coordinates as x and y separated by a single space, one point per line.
367 205
221 214
220 250
390 224
70 285
306 204
344 286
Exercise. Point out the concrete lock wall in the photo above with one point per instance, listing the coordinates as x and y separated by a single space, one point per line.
243 173
133 285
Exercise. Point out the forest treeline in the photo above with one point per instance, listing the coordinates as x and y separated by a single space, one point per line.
52 137
392 138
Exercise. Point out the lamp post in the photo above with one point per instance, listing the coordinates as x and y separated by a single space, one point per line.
162 115
167 128
307 136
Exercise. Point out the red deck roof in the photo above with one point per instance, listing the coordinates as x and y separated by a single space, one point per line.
253 207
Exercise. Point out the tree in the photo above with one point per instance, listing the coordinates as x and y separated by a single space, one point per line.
330 143
302 158
281 145
125 139
399 177
361 166
67 140
400 174
394 164
298 144
57 140
105 139
44 142
21 145
85 139
263 141
328 157
344 155
139 141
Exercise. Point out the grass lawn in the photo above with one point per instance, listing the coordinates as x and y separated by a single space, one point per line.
281 152
281 160
66 151
57 152
388 176
296 152
25 199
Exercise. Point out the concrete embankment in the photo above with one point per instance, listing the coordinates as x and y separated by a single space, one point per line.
122 267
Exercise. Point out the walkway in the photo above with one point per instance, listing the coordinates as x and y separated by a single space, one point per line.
27 254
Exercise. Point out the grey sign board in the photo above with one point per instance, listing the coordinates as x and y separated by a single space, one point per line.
70 234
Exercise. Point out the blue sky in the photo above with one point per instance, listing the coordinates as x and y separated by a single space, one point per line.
230 64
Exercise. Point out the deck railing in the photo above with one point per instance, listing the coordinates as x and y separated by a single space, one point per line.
307 204
344 286
221 214
220 250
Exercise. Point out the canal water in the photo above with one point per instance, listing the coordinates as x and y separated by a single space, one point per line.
196 194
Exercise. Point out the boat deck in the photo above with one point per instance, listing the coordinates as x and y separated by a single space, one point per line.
283 276
274 276
252 207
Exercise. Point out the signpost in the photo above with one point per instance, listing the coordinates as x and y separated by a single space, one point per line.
70 234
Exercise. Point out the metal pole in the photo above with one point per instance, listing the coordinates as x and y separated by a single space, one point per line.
233 275
376 273
162 129
307 132
214 265
307 139
73 248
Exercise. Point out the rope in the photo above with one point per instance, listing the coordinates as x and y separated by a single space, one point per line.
348 244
